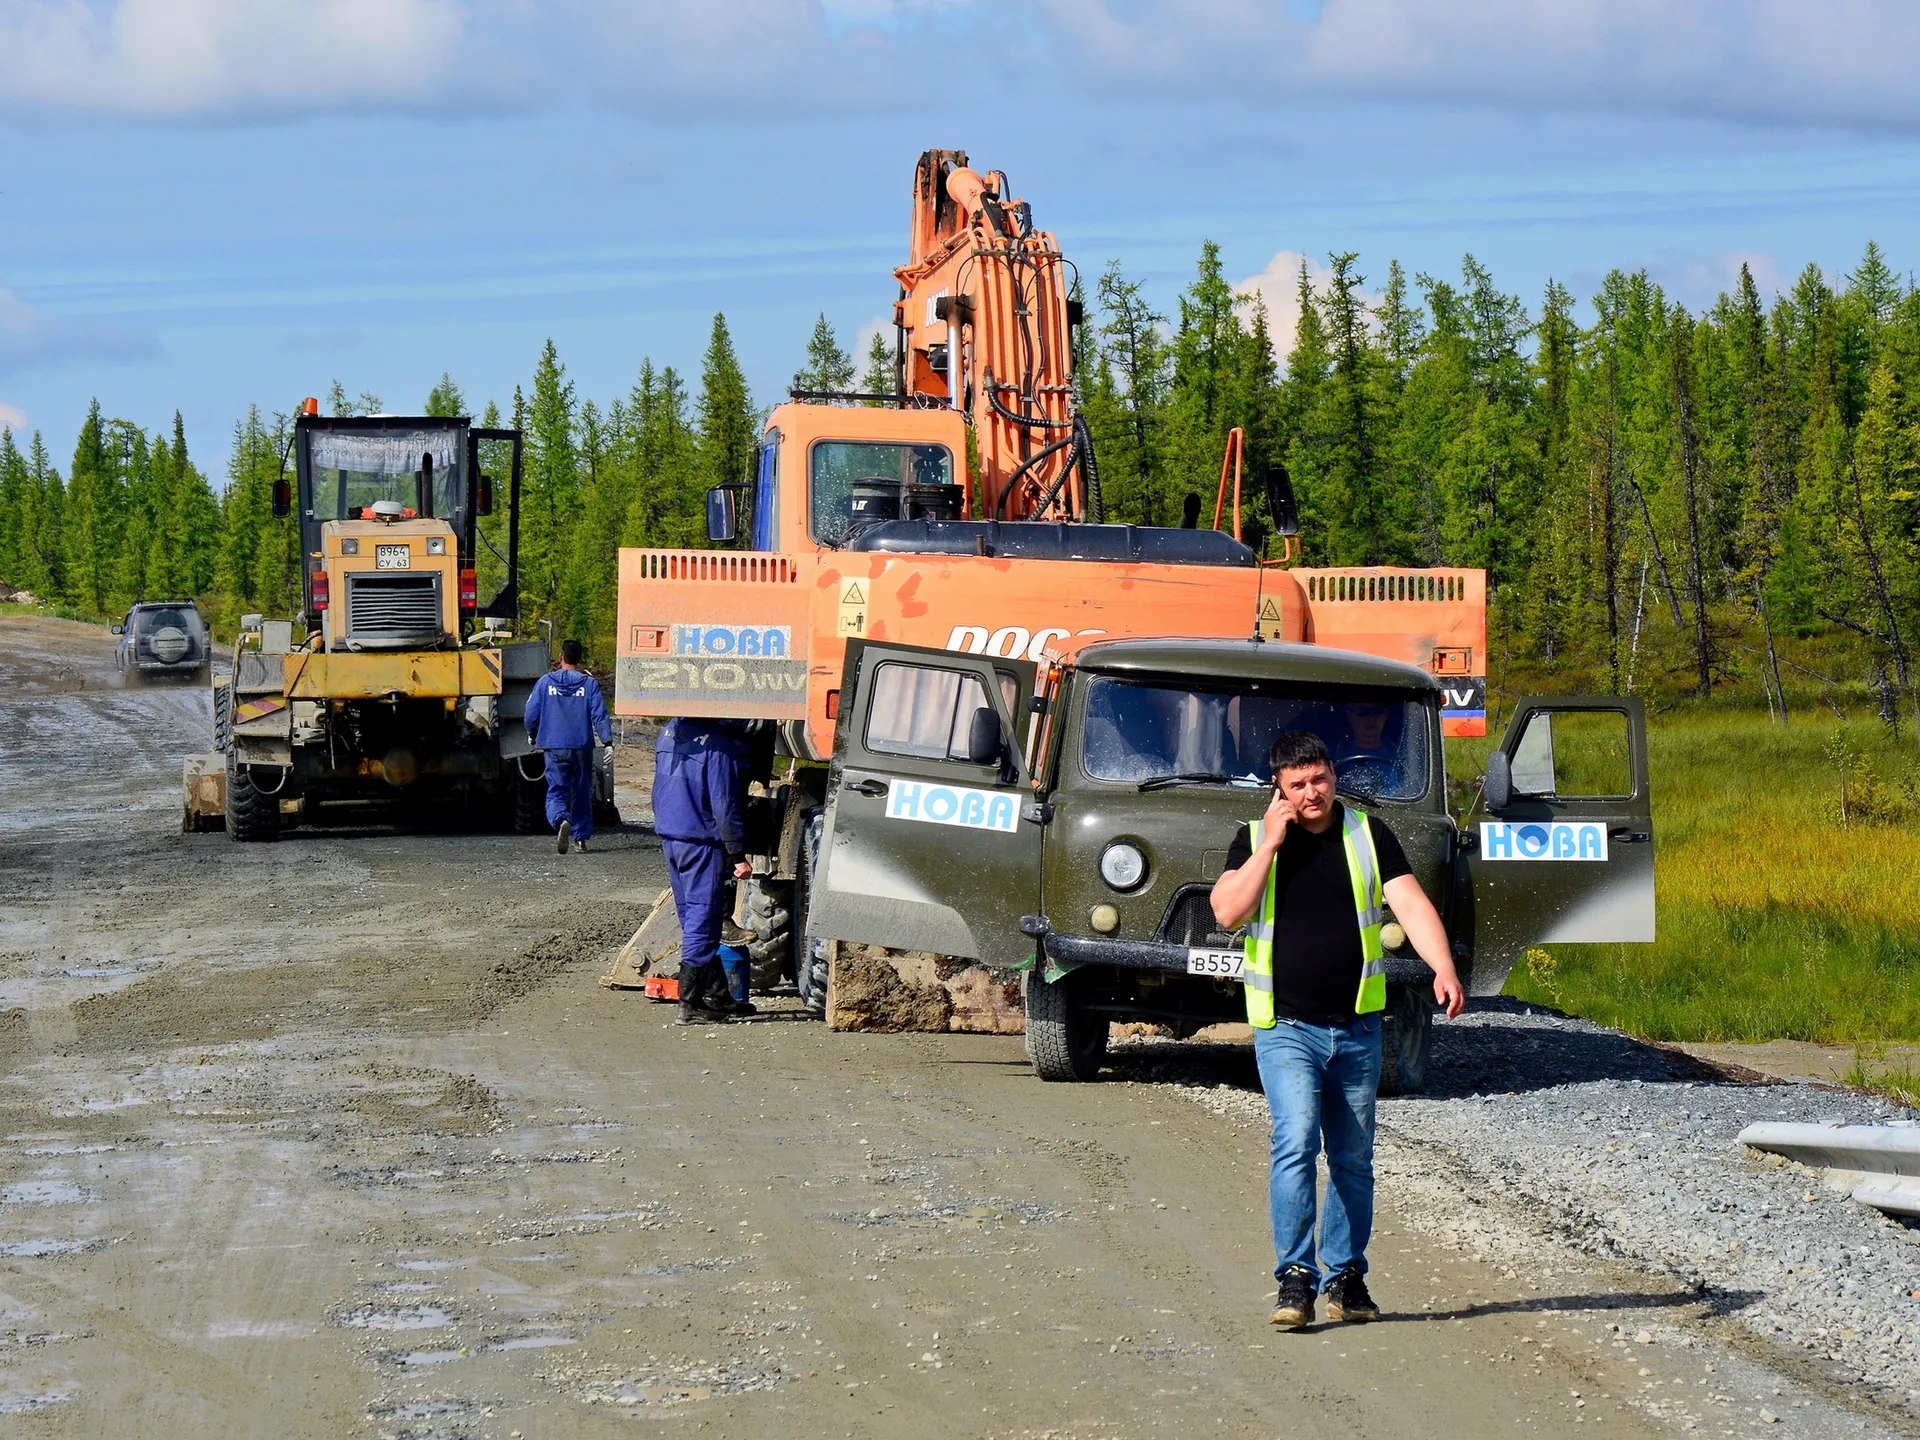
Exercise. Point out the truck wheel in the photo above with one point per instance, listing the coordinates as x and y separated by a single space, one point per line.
529 800
812 957
1064 1041
769 915
1406 1039
251 816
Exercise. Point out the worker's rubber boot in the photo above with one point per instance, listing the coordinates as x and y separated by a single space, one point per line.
710 996
693 982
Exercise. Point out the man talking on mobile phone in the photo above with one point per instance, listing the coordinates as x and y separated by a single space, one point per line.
1314 875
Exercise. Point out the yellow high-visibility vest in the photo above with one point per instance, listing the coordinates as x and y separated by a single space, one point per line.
1369 903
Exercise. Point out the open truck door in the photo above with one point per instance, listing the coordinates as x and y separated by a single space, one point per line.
1560 843
930 841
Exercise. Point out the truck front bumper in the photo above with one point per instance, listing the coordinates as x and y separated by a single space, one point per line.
1072 951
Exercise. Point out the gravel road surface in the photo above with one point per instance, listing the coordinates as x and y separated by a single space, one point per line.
338 1136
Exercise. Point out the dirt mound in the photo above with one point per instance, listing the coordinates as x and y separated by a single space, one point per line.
870 993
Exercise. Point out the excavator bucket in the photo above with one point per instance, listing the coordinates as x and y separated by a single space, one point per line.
650 959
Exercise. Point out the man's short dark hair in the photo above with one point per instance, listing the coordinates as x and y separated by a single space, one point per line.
571 651
1295 749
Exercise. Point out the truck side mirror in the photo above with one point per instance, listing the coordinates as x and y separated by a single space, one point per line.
983 737
1280 502
723 514
1496 786
483 494
282 498
116 629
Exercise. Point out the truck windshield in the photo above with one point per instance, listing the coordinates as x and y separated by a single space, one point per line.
351 470
1380 740
835 465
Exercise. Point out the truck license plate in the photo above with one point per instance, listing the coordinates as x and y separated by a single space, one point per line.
1221 964
392 557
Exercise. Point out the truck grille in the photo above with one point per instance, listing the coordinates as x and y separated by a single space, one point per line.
1189 919
393 607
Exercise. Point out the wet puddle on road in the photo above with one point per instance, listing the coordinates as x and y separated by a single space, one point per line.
409 1317
43 1248
46 1192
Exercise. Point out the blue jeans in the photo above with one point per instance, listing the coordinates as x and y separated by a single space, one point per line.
1320 1082
570 790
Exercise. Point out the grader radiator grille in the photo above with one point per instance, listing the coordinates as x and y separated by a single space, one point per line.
393 607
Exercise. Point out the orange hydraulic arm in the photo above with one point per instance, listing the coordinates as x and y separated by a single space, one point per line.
985 327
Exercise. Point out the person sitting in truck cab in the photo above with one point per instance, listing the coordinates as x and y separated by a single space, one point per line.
1367 757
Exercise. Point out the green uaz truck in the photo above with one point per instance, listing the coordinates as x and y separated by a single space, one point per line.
1068 819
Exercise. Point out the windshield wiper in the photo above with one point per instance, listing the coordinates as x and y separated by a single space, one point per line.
1161 782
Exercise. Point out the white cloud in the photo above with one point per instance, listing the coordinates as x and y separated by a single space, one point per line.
30 336
1845 62
12 417
881 325
200 57
1279 286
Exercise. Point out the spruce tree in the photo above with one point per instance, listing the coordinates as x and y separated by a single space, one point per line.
92 519
827 367
1127 399
729 438
883 375
445 398
13 509
550 499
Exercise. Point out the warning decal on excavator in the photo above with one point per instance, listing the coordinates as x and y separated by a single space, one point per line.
853 610
1272 620
257 710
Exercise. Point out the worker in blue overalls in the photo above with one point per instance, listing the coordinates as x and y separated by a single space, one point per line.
699 813
565 713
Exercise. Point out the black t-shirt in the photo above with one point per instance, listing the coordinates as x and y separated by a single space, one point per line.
1316 946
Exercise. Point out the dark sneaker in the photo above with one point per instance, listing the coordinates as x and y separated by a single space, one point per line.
563 837
1294 1309
1348 1300
580 846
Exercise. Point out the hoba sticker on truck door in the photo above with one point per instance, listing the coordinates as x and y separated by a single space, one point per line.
1543 840
935 804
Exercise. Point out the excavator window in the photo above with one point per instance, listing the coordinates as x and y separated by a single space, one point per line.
883 476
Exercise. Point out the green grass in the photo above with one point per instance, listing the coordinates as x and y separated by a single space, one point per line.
1776 920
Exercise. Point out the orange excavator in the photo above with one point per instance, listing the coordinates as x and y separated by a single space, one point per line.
964 511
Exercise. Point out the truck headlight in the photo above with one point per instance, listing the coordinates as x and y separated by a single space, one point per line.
436 545
349 546
1122 865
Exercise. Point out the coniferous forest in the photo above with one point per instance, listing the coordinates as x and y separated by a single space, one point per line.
1715 504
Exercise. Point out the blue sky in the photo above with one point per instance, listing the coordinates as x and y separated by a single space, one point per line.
208 203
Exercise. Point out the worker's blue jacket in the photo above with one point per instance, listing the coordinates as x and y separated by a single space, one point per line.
697 788
565 711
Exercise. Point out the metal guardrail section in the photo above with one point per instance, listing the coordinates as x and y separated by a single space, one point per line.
1878 1164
